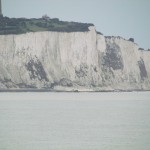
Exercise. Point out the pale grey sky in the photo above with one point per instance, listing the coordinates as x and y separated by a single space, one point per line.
126 18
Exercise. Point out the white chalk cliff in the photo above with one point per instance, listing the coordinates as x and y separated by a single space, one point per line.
82 61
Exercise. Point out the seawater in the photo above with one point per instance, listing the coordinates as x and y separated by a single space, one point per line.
75 121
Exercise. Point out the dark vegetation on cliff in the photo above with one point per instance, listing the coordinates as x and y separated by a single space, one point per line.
23 25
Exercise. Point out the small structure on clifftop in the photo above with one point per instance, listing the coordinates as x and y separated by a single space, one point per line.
45 17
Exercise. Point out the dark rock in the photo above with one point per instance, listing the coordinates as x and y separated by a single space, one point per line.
36 70
9 83
23 85
143 71
95 69
82 72
65 82
113 58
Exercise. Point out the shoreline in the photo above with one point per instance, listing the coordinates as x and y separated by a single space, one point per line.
71 91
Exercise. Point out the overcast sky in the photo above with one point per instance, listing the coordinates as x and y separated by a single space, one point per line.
126 18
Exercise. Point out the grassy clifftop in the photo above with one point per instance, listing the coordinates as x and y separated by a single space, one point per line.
23 25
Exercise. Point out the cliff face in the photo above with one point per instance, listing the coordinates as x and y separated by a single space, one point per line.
72 61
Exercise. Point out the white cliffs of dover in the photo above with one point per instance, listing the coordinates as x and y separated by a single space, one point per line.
75 61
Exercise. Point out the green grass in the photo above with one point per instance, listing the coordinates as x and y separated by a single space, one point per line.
23 25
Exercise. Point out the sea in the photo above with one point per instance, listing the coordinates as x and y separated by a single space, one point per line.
75 121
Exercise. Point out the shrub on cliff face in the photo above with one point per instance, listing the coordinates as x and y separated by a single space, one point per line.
99 33
131 39
141 49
